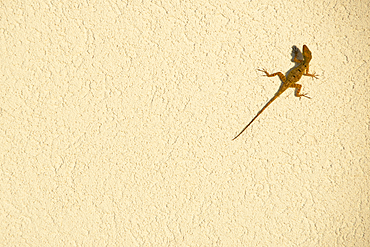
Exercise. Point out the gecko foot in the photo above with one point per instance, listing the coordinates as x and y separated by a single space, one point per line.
312 75
303 95
264 71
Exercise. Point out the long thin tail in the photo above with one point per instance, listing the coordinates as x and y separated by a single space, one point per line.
268 103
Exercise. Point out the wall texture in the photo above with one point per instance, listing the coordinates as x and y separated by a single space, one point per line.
116 120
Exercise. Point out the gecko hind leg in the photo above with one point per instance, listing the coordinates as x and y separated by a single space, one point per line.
298 88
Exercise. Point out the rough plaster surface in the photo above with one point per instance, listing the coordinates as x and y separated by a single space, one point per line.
116 120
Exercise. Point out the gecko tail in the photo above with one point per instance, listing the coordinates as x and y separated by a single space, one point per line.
259 113
246 126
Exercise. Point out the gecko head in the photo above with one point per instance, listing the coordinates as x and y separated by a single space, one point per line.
306 53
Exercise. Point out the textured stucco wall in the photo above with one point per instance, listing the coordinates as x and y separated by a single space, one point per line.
116 120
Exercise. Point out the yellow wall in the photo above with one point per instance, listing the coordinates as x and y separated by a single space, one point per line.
116 120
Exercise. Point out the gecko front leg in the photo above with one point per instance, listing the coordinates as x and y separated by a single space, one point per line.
281 76
310 75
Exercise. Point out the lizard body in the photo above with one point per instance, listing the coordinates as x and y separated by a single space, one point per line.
290 81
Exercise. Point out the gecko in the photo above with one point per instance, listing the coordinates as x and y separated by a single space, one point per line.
290 81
